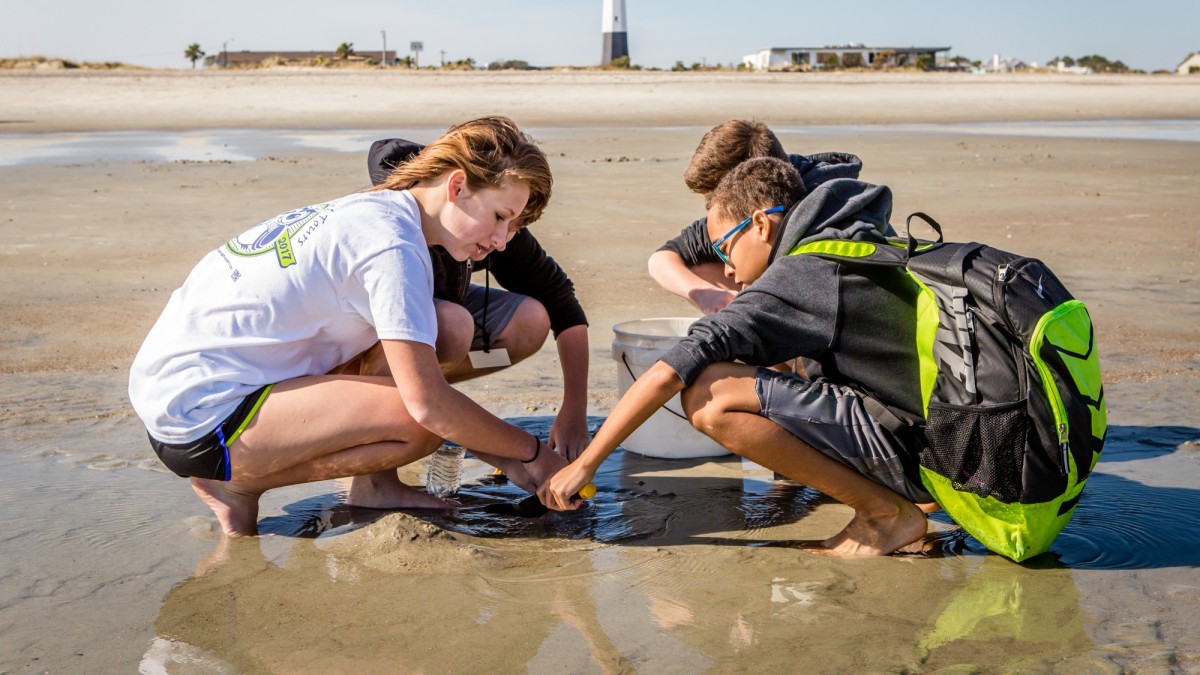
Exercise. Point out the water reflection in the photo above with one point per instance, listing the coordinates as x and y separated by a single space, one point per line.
634 582
992 604
397 596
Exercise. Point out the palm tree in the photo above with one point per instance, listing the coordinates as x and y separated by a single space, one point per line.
193 53
344 50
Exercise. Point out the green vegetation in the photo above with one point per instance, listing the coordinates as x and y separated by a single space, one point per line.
1096 62
961 62
679 67
344 50
461 64
49 63
510 64
193 53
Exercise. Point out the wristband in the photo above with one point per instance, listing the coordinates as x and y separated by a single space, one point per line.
537 450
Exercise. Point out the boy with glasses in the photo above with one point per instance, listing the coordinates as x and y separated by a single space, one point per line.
858 326
686 265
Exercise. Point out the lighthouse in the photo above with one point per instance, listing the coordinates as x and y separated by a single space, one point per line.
616 44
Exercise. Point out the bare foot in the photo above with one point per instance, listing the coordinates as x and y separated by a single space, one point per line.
236 510
929 507
384 490
878 534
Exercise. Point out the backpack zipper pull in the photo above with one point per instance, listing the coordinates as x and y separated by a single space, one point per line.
1064 447
1002 272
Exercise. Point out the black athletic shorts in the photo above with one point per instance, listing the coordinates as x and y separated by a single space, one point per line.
208 456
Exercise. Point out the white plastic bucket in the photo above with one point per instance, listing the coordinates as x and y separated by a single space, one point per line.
668 434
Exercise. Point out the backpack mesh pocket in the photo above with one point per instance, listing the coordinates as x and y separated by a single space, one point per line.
980 449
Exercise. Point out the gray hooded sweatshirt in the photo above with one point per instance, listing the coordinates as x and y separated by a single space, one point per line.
692 243
858 324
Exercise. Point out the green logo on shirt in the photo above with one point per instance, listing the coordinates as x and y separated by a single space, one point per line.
276 234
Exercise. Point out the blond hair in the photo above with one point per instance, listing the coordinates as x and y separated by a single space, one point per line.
491 151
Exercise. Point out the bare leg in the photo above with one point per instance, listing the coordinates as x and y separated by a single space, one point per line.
723 404
236 510
384 489
522 337
318 428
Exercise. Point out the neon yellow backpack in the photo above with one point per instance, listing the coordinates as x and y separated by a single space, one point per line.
1010 378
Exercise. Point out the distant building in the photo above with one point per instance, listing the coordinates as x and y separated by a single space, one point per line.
1190 65
248 58
845 56
1062 67
613 32
1004 64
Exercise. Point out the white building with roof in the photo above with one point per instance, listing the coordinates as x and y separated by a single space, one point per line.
845 56
1190 65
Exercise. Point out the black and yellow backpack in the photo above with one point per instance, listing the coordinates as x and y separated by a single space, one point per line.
1010 378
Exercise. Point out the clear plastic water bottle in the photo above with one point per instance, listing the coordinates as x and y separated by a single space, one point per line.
445 471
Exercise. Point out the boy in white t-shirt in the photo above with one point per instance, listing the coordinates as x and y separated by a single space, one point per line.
232 382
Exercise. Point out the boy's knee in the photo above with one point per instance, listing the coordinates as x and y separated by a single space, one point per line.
698 401
713 395
456 329
528 329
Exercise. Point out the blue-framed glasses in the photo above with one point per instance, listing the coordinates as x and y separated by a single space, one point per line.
721 242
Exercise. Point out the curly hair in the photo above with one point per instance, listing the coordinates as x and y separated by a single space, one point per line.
759 183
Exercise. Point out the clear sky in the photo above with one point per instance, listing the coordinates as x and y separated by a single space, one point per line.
1145 34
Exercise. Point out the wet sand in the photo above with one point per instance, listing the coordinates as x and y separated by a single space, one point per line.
111 564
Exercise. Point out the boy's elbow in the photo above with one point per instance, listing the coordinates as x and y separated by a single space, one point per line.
652 265
663 376
659 263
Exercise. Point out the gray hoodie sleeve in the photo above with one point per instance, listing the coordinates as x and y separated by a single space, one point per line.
768 323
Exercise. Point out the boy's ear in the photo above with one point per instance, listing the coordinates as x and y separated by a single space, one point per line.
763 226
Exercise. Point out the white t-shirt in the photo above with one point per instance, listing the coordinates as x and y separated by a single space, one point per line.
296 295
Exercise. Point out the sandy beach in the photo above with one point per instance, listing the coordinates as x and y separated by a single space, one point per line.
112 185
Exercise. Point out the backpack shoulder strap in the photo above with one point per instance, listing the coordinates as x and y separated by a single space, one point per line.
850 251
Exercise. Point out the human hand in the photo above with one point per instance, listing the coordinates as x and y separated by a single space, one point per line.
711 300
560 492
541 468
569 435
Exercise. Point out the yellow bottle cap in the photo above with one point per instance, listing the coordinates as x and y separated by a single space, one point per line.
588 491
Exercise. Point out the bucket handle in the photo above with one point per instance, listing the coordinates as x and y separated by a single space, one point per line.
634 377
